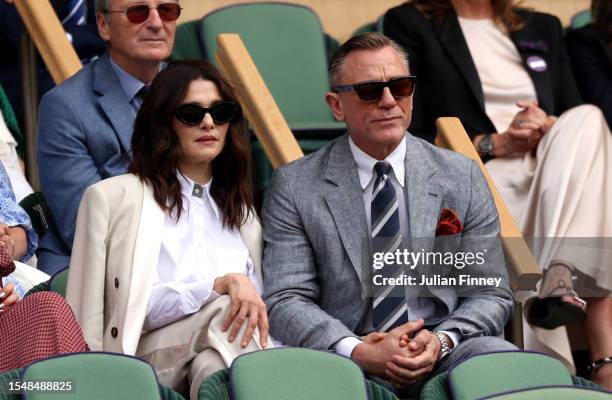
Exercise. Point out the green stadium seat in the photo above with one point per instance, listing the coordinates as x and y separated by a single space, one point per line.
376 26
299 374
58 282
581 19
93 376
187 41
287 44
499 372
554 393
290 50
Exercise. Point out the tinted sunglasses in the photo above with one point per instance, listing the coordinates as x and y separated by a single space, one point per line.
139 13
400 87
222 113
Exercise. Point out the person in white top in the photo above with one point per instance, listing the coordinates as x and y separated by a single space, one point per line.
166 262
504 72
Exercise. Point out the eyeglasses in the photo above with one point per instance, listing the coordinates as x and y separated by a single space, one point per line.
222 113
139 13
400 87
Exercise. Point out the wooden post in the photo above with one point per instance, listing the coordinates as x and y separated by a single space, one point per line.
259 106
523 270
50 38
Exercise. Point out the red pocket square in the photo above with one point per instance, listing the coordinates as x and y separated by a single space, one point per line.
449 223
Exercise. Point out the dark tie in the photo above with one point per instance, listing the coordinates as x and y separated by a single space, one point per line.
142 93
389 304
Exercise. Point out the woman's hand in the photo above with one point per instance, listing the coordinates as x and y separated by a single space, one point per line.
6 240
14 240
8 297
525 131
245 303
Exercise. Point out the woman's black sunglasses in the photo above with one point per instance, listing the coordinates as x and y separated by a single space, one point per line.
222 113
400 87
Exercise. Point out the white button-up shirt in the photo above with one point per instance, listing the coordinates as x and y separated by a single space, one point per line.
195 250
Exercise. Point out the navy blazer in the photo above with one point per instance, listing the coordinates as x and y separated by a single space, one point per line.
84 133
591 60
447 80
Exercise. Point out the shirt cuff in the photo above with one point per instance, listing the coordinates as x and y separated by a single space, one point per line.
454 337
346 345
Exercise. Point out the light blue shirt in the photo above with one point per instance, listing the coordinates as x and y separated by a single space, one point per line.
130 85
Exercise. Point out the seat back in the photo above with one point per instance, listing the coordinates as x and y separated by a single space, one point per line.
554 393
58 281
92 376
297 374
287 44
187 41
498 372
581 19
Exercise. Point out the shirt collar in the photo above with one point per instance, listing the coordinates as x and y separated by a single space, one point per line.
187 191
130 85
365 163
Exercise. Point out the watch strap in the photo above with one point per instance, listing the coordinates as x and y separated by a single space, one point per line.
445 348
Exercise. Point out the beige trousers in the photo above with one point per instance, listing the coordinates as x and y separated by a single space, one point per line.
187 351
563 193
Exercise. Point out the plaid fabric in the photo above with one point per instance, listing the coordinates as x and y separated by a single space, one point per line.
39 326
6 264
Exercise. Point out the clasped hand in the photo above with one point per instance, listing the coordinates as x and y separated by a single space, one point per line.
396 357
526 129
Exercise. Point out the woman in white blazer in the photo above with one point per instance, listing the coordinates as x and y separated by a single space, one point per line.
166 262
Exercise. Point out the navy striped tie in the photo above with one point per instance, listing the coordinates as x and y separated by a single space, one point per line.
389 306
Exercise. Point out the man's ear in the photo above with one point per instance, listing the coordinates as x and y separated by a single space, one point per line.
103 26
333 101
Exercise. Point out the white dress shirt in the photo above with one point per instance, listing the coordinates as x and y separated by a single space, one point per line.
195 250
420 307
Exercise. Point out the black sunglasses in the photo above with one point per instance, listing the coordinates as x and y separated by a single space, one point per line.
400 87
222 113
139 13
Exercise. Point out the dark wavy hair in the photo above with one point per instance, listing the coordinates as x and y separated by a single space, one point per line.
503 11
156 147
602 19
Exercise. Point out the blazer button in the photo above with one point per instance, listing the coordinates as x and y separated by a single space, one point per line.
114 332
116 282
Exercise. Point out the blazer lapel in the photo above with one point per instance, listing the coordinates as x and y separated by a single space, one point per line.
423 194
146 252
251 235
532 49
114 101
451 37
345 201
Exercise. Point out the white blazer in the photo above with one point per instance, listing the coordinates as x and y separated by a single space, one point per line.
115 252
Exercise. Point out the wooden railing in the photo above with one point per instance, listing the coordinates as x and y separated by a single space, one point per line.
47 33
50 38
523 269
259 106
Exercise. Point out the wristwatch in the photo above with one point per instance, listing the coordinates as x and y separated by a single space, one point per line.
485 147
445 345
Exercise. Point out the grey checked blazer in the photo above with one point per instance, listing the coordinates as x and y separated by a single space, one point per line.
314 224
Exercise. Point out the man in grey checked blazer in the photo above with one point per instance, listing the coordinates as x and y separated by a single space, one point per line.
316 216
